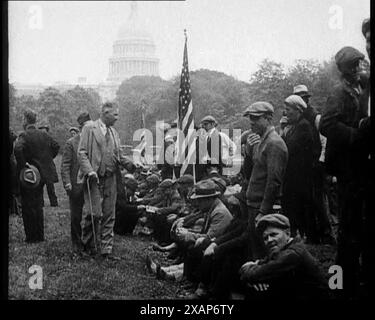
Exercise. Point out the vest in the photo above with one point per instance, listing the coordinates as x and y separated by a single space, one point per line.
107 165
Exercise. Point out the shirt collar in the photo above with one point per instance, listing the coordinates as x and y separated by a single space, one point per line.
210 132
102 124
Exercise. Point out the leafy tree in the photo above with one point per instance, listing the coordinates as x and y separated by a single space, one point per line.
80 100
146 94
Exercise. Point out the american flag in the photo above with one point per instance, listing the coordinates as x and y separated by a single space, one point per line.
186 117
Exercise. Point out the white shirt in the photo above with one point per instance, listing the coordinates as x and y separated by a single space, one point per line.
229 148
102 127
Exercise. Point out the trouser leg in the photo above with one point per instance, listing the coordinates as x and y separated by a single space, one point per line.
109 195
76 205
192 261
320 202
51 194
226 276
32 213
349 236
92 212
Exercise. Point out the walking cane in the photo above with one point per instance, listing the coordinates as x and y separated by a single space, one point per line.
91 213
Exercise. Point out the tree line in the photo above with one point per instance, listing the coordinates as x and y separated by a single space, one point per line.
213 93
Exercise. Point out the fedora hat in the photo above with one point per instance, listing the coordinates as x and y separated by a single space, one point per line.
30 176
205 189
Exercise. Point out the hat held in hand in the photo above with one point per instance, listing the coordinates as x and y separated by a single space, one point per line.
30 176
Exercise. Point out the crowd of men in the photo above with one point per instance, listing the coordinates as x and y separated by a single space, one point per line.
223 238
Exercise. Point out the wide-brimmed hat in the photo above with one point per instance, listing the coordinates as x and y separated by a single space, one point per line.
30 177
301 90
205 189
186 179
221 185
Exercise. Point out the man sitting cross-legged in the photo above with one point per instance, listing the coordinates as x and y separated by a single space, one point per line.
288 271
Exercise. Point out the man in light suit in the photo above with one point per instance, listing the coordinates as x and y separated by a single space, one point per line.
99 158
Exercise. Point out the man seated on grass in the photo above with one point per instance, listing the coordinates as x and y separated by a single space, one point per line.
220 261
152 196
127 210
289 271
179 207
216 218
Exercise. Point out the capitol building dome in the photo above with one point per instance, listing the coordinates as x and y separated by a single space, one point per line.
133 51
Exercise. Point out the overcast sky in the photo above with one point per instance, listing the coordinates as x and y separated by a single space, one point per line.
74 39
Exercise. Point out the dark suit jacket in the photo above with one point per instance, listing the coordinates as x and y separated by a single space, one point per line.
346 149
37 148
269 161
70 165
298 174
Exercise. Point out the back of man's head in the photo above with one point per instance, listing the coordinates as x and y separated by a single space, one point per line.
29 116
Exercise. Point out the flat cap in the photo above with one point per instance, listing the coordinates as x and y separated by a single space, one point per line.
73 129
275 220
164 126
296 102
44 126
259 108
83 117
208 119
167 183
153 178
365 26
346 57
301 90
186 179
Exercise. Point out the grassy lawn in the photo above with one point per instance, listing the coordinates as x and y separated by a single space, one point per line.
67 278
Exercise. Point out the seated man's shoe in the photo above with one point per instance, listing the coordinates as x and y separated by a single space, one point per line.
152 267
146 231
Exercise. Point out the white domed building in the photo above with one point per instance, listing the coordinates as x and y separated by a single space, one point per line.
133 51
133 54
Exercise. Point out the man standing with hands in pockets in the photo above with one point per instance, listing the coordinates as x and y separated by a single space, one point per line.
99 158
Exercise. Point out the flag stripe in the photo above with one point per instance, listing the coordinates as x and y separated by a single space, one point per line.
186 116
